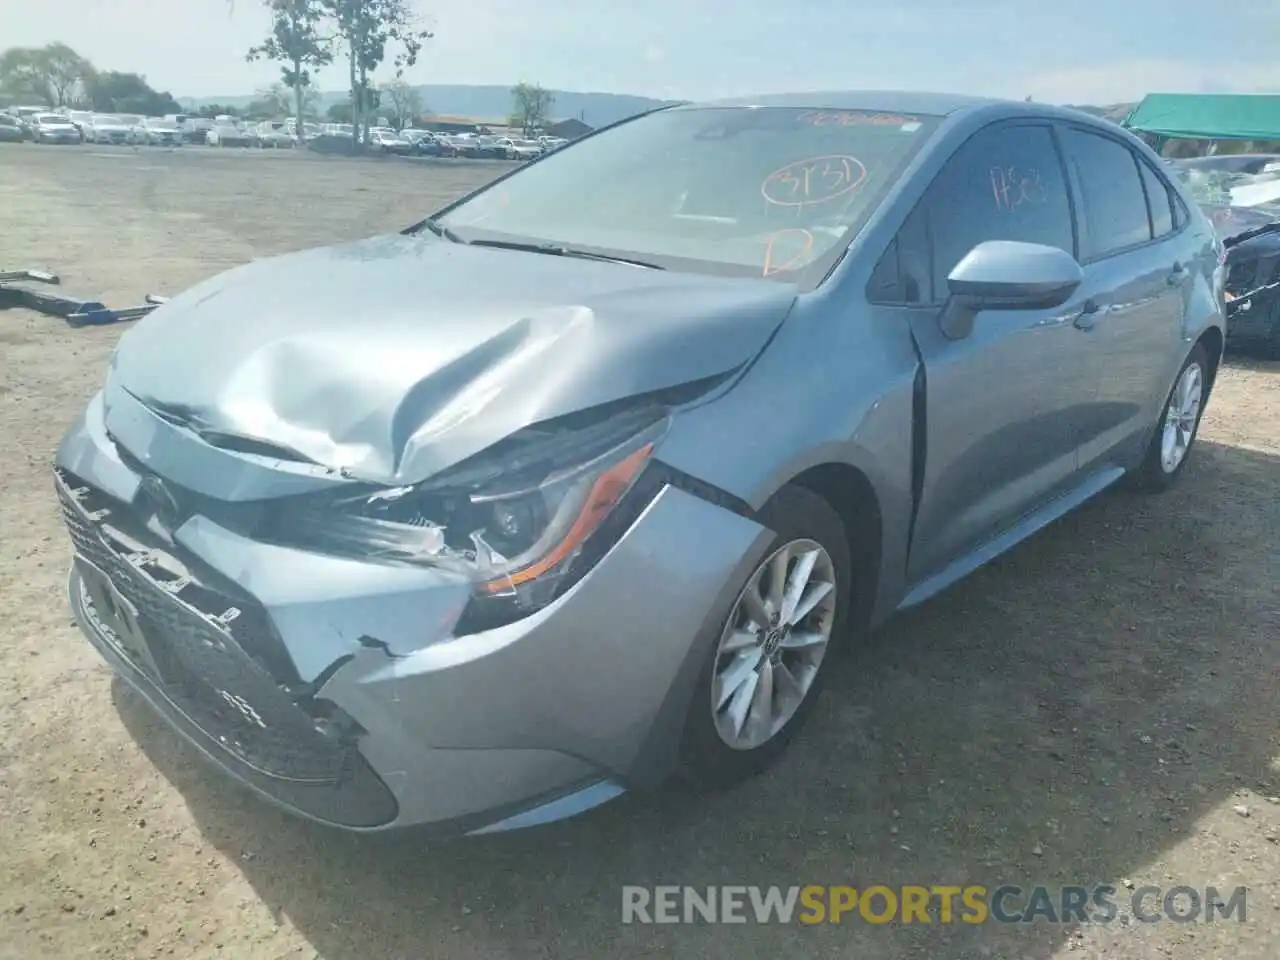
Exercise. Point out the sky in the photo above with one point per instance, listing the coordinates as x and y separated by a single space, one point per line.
1074 51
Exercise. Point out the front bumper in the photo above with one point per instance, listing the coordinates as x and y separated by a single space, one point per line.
338 689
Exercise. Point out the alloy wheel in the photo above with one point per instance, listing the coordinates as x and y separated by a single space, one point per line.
773 644
1181 418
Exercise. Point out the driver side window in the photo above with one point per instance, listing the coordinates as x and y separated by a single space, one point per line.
1004 183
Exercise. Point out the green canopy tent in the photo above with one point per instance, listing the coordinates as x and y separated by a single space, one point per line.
1206 116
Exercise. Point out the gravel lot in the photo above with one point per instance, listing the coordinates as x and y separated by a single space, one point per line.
1099 706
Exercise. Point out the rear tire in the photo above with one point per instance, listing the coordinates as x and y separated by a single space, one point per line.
1178 426
759 683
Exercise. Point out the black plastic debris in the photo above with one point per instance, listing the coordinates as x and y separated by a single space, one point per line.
30 289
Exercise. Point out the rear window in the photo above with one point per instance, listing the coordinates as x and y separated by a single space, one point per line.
767 191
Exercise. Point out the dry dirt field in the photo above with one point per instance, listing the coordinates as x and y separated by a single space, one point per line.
1100 706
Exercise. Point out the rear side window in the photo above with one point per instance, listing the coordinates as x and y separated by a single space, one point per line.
1115 204
1160 201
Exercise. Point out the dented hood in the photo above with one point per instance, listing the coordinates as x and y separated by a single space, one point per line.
396 357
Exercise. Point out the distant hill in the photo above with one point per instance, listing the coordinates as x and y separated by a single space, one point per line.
493 103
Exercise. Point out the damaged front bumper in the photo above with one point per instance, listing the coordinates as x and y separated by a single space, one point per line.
337 688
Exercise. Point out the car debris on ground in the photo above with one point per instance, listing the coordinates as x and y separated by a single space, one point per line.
28 288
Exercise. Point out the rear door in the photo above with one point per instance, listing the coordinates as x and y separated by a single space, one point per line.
1134 287
1000 404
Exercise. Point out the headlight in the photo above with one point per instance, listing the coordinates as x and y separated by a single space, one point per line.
514 519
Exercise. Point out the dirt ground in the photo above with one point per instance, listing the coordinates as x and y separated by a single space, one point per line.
1099 706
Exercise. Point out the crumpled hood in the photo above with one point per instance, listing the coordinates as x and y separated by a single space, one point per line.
396 357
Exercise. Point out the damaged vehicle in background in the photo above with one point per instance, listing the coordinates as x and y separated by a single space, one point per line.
578 484
1243 203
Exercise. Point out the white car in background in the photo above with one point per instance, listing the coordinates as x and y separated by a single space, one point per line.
106 128
309 130
54 128
526 149
162 133
228 135
134 121
389 141
78 117
271 133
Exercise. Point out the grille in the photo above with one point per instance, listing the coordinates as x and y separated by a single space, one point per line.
199 664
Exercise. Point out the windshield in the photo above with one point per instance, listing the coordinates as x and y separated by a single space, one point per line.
106 121
762 191
50 118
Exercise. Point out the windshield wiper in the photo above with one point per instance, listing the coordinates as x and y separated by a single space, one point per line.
439 229
556 250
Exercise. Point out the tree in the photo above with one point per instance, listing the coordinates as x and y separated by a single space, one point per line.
339 112
405 102
114 92
366 28
54 74
270 102
531 107
297 44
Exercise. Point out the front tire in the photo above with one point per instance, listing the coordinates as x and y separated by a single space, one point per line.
763 674
1178 426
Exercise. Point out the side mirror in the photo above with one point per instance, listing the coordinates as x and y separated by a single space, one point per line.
1007 275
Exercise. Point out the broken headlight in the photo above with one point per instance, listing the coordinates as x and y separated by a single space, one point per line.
513 519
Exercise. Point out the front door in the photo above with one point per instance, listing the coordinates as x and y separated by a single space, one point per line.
1002 402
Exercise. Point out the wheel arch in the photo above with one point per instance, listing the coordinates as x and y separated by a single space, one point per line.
851 494
1213 341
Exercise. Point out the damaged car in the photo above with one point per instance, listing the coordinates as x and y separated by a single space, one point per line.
583 481
1244 207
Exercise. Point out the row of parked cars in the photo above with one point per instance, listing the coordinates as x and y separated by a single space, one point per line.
470 145
41 125
71 126
432 143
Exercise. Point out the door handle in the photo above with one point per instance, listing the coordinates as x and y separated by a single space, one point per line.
1088 316
1178 274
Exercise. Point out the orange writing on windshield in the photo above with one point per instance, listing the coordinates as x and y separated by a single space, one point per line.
815 180
852 118
788 250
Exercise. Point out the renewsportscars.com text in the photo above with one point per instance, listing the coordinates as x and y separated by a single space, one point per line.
934 904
